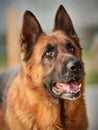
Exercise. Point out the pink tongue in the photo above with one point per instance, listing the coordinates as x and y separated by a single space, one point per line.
65 88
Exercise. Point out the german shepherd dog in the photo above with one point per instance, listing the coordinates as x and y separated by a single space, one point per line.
47 91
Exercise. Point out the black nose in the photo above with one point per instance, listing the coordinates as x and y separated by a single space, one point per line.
74 65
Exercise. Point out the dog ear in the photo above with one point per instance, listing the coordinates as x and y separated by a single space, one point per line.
63 22
30 32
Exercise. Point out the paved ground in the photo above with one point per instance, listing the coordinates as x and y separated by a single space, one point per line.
91 96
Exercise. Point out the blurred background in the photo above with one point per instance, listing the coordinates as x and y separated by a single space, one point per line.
84 14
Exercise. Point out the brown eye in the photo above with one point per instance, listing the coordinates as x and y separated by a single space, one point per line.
70 47
48 53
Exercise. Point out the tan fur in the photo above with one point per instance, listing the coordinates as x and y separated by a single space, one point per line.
29 105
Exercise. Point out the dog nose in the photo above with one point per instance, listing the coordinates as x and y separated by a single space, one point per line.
74 65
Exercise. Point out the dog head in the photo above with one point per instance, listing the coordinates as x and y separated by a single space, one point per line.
52 62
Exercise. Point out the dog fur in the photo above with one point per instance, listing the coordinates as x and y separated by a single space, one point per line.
31 97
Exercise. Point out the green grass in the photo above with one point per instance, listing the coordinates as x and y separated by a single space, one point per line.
92 78
3 63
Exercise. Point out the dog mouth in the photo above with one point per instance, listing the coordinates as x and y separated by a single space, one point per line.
69 90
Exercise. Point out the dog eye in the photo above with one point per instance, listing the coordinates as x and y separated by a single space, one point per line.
70 47
50 53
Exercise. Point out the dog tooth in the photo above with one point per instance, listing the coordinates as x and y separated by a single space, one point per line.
79 85
73 97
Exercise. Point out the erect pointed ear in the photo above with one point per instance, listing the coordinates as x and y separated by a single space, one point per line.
30 32
63 22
